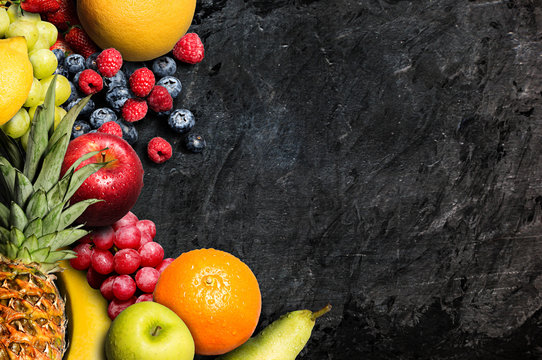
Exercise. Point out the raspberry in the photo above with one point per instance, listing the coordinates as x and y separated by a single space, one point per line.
189 49
159 99
90 82
134 110
159 150
112 128
141 82
109 62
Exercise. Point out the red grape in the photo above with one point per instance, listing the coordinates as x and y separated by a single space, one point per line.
116 306
147 226
145 238
152 254
144 297
104 237
126 261
146 279
164 264
128 219
82 261
127 237
102 261
107 288
94 278
124 287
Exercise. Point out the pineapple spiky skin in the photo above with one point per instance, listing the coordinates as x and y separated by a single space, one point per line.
35 232
32 321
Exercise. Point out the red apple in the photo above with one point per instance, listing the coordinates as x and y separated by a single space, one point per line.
119 183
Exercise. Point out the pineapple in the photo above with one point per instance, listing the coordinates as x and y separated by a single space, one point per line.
35 220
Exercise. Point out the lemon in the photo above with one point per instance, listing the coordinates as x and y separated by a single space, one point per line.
140 30
16 76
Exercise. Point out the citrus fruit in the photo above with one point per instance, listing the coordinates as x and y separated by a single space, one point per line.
140 30
215 294
15 76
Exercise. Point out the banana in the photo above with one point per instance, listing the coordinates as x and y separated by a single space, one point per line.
88 321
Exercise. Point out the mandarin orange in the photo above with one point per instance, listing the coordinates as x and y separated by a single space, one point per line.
215 294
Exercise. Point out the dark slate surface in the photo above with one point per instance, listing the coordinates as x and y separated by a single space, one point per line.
382 156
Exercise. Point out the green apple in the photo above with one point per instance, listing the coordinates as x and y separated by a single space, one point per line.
148 330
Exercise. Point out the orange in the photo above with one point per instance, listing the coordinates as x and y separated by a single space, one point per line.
215 294
140 30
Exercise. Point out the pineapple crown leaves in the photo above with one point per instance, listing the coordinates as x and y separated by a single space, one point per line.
34 201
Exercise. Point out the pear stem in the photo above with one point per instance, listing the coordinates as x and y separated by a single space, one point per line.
317 314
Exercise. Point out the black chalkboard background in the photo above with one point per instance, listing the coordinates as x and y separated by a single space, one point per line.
384 156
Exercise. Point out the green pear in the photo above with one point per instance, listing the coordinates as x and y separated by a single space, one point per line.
281 340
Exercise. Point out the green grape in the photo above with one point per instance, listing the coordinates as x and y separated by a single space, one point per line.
44 63
18 124
13 12
4 22
35 96
63 89
24 139
59 115
48 31
24 28
41 43
28 16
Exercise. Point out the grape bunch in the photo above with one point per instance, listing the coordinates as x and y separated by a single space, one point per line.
123 261
40 37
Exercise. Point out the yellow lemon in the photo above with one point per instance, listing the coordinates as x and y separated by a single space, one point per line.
140 30
15 76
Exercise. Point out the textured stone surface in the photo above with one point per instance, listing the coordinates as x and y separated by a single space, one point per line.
382 156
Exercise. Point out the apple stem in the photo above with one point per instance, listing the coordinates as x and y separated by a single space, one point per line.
156 331
317 314
103 156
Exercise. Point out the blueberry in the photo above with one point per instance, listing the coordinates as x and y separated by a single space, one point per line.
195 143
74 63
61 70
181 120
80 127
74 94
75 79
60 56
90 62
129 132
86 111
172 84
100 116
128 67
164 66
117 96
117 80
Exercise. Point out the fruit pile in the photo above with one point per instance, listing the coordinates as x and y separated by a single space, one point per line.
122 261
125 91
124 94
40 36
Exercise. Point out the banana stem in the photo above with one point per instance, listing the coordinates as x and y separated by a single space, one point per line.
317 314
